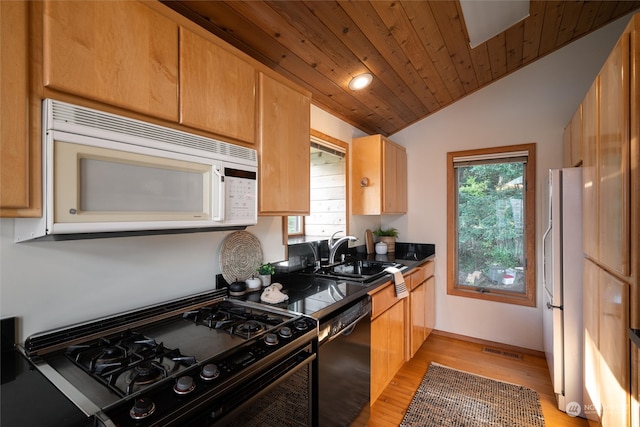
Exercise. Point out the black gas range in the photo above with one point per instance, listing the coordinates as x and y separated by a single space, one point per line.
194 361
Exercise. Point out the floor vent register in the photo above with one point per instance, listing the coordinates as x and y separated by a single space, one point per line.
500 352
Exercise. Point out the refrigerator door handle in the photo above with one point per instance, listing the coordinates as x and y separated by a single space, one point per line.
551 306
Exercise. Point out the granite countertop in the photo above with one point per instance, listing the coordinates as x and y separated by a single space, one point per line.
320 297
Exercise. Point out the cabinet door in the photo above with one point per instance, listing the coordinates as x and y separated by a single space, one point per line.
613 160
590 305
589 170
20 189
576 137
418 309
366 175
397 337
394 190
566 146
118 52
430 309
635 386
614 350
284 150
217 89
380 330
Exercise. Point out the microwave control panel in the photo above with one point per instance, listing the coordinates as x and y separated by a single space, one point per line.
241 195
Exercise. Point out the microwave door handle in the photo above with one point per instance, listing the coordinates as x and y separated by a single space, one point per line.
219 215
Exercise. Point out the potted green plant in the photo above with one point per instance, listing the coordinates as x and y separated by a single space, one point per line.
388 236
264 272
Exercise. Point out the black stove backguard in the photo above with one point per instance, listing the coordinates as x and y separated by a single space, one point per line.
189 362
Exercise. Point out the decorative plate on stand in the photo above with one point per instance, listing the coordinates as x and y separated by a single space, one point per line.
240 256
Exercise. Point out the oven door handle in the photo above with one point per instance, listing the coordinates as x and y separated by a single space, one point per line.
348 330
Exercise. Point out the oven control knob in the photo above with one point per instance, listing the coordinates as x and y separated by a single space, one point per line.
209 372
142 408
301 325
285 332
184 385
271 339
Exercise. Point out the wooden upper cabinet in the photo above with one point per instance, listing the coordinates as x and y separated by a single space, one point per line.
590 139
118 52
572 141
217 89
576 137
284 148
566 146
379 176
20 192
613 160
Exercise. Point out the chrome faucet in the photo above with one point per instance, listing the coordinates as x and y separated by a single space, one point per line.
335 244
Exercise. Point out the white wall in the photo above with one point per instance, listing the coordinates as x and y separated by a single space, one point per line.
531 105
53 284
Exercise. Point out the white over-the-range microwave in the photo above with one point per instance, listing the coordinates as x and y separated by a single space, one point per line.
105 174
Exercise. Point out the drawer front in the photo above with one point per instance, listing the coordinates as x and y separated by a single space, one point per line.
428 269
383 299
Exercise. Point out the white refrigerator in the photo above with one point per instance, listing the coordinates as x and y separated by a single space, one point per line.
562 279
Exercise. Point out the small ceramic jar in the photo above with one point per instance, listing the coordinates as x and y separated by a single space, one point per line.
253 284
381 248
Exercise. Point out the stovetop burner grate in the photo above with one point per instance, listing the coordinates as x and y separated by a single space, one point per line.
245 322
127 362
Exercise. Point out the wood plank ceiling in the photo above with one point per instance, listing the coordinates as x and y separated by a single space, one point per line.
417 51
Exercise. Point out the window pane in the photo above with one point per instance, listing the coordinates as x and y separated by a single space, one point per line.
490 232
294 225
328 192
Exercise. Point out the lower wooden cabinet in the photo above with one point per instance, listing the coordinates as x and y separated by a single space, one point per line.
421 306
606 321
635 385
613 317
417 309
399 326
387 347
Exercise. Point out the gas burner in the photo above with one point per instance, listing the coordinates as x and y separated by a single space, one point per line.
111 355
147 372
128 362
249 328
212 317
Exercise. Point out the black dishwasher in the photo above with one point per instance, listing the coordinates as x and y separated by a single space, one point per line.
344 358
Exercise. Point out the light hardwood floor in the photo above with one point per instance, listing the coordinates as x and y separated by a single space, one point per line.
530 371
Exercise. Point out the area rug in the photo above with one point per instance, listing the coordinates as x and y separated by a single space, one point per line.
451 398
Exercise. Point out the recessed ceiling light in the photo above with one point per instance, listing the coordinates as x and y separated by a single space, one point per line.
360 82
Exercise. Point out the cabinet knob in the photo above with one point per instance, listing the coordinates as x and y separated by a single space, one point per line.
364 182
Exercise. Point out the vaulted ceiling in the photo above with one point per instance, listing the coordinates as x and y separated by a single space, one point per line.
417 51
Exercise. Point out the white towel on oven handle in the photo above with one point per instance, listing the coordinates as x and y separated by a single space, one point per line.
398 278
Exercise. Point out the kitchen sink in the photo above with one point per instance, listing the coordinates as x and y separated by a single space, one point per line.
358 270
